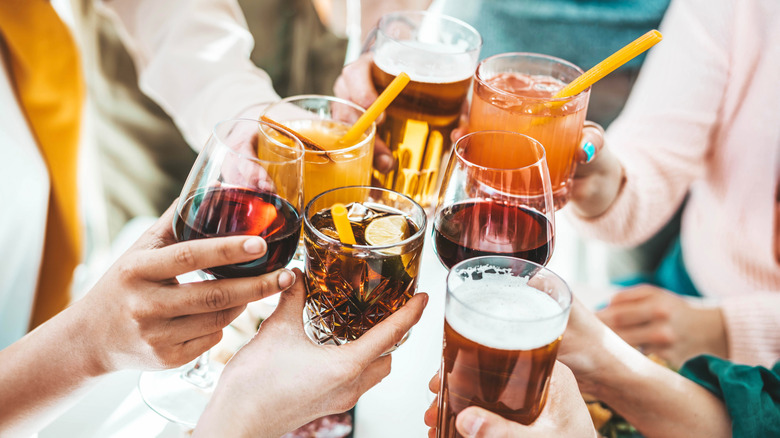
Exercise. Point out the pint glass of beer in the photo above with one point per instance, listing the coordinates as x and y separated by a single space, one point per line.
439 54
351 288
503 320
514 92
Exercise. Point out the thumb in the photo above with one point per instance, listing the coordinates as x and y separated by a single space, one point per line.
292 300
474 422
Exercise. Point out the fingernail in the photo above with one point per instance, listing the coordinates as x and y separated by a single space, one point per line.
254 245
472 423
590 150
425 299
286 279
385 163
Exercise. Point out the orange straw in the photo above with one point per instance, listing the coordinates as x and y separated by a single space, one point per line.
607 66
372 113
343 227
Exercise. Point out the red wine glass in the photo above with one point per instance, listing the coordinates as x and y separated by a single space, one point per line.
247 180
495 199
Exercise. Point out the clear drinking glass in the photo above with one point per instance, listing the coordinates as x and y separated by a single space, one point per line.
351 288
514 92
504 318
495 199
439 53
325 120
243 182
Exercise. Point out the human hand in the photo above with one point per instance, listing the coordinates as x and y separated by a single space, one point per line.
243 136
355 84
564 414
660 322
138 316
280 380
598 177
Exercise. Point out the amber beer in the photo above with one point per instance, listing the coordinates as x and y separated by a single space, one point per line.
501 337
440 55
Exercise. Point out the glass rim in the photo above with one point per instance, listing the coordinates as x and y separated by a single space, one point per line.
300 150
537 144
481 80
420 232
476 47
565 306
371 130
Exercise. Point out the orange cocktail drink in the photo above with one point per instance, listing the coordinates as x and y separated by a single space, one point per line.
514 92
324 120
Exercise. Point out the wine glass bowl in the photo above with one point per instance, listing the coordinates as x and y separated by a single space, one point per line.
245 188
244 182
495 199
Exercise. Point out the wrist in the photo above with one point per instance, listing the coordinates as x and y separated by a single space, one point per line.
84 339
628 371
223 418
614 366
599 188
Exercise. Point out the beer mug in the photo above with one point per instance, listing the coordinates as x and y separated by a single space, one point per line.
440 55
503 321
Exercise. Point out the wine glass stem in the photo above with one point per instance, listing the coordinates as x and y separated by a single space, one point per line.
199 374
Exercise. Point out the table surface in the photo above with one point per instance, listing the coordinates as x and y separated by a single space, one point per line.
391 409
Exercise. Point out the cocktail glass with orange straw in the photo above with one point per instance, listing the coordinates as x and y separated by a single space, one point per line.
338 136
543 97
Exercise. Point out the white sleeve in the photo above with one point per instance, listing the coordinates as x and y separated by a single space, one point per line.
192 59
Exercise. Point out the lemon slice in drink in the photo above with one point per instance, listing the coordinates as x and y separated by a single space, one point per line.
387 230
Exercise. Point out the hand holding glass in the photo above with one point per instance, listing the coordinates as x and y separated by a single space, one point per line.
242 183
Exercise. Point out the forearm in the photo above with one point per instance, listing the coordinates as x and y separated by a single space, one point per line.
661 403
192 58
44 370
372 10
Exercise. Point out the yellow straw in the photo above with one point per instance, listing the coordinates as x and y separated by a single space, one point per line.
339 213
376 108
607 66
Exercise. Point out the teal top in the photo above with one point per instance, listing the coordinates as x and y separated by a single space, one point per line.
751 394
580 31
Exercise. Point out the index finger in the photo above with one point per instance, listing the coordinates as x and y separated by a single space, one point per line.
634 293
168 262
161 233
433 385
381 338
626 314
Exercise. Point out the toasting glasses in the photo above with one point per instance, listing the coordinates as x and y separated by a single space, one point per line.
495 199
244 182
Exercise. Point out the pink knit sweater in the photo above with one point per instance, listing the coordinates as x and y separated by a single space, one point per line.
704 117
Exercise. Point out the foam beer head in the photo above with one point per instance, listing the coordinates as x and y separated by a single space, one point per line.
431 63
501 311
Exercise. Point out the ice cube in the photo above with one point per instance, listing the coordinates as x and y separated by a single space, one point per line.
358 212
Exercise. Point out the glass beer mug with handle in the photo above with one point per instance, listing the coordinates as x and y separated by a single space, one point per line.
242 183
504 318
440 55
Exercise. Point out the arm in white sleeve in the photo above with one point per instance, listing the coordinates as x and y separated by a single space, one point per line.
192 58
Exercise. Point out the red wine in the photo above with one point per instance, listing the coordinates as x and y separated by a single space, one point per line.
218 212
479 228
